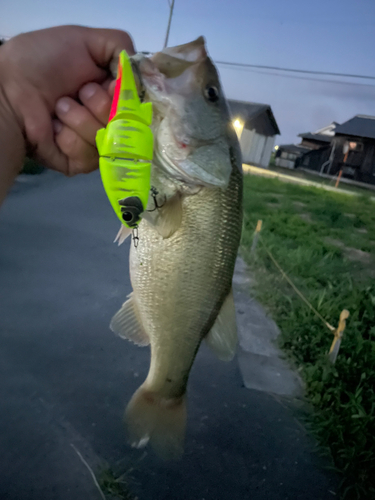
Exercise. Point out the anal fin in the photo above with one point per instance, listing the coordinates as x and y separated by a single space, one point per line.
222 337
125 324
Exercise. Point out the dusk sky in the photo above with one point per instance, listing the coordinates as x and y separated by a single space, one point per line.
324 35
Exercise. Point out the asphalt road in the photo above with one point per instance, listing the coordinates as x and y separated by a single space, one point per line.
65 378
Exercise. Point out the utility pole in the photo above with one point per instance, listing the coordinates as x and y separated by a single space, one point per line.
171 6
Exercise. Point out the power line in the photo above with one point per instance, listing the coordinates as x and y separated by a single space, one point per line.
306 78
292 70
254 67
236 65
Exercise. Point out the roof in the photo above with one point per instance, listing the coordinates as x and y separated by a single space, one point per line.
251 113
328 129
359 126
316 137
293 148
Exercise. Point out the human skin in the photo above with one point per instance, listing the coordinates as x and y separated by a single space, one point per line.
54 96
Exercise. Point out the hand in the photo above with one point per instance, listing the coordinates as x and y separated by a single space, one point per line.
77 125
38 69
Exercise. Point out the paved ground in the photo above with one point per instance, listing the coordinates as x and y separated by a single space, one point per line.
65 378
261 362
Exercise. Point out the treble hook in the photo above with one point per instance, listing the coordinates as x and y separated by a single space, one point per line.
154 193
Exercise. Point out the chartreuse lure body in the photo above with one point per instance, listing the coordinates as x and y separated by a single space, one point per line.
126 148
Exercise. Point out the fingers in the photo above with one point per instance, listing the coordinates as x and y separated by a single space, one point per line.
111 88
39 133
66 151
78 118
78 124
82 157
105 45
97 100
107 82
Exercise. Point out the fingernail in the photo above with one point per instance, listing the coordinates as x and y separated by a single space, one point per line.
57 126
87 91
63 105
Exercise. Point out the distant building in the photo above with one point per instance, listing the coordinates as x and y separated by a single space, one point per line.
287 155
259 129
328 130
314 141
353 149
290 155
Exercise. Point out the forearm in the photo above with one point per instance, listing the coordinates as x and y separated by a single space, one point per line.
12 146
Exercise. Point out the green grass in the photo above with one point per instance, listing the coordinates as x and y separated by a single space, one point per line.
115 484
312 234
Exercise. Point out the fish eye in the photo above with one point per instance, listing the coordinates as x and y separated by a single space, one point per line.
212 93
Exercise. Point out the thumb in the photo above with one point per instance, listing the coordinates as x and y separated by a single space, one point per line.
104 45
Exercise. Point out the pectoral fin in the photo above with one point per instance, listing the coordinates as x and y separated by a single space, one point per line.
125 323
170 216
167 218
222 337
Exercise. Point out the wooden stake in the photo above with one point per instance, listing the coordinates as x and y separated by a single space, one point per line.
338 179
256 236
338 333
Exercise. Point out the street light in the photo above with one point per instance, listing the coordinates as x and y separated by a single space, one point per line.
238 127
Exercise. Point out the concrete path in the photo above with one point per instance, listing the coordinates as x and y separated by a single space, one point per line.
65 378
261 362
265 172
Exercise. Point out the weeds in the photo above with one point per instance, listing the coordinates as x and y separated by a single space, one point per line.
343 395
115 486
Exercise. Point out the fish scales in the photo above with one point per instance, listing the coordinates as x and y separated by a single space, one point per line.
180 283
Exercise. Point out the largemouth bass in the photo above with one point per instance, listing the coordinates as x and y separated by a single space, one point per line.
181 270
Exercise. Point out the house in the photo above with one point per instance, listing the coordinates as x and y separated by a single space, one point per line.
289 155
320 138
352 151
314 141
328 129
258 130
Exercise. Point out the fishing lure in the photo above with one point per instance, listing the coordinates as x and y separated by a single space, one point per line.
126 148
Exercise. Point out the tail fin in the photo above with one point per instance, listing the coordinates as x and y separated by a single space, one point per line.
160 421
